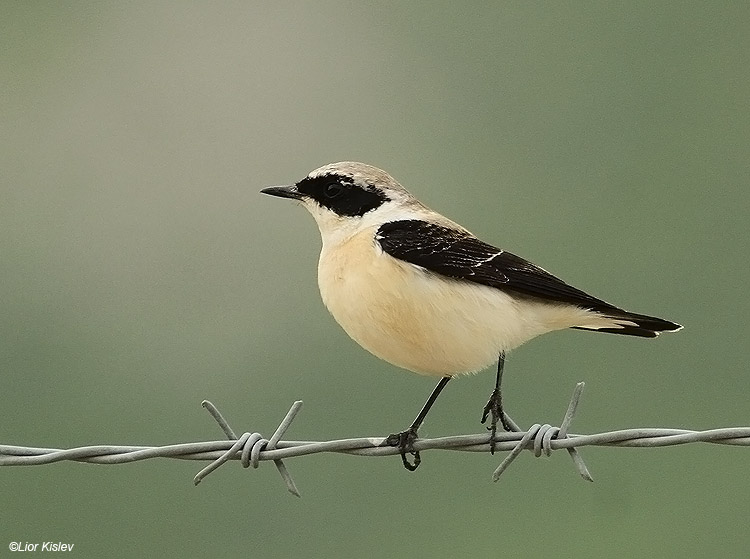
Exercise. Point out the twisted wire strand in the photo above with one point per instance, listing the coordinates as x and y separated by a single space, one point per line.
252 448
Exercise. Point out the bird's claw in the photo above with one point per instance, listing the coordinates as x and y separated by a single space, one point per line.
405 443
494 409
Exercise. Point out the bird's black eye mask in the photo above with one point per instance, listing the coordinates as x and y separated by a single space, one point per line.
341 195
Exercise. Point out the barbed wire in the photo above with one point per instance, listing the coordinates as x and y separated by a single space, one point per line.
252 448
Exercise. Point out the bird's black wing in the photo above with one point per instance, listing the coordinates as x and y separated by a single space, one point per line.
461 256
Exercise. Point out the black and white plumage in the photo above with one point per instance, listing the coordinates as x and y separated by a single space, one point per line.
460 255
421 292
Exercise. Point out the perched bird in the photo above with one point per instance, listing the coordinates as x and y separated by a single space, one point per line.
421 292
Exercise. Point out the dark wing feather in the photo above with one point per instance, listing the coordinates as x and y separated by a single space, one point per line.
459 255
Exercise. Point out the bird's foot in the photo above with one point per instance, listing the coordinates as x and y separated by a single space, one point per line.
494 409
405 443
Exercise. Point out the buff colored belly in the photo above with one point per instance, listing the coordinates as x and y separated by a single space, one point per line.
419 321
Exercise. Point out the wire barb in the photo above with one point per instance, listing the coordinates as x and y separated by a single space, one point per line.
252 448
252 444
543 435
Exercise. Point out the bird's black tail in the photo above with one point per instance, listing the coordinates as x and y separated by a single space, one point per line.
632 324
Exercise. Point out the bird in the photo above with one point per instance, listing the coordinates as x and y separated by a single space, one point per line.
424 294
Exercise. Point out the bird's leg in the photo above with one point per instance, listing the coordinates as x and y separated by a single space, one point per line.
405 440
494 407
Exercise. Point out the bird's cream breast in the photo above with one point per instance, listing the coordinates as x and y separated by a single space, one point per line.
415 319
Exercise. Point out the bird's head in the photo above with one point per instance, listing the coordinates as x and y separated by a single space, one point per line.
346 197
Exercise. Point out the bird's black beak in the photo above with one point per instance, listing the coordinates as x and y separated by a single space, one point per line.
283 192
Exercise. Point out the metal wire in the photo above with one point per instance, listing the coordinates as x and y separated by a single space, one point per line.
251 448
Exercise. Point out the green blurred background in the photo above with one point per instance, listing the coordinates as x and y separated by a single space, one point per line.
142 272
